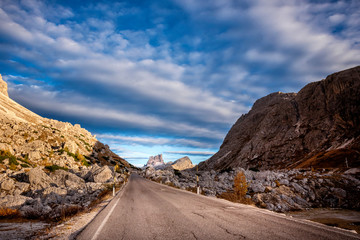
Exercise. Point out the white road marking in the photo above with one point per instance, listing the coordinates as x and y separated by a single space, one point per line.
105 220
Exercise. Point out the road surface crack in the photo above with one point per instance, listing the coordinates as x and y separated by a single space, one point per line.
234 234
199 215
194 235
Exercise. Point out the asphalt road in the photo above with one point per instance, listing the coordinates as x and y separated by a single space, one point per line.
147 210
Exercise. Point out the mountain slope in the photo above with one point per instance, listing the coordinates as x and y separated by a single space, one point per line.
317 127
37 141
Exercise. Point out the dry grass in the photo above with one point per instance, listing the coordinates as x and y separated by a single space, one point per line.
70 211
192 189
332 159
232 197
171 184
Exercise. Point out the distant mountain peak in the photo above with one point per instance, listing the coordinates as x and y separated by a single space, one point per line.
155 161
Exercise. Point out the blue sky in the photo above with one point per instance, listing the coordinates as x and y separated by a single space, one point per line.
171 77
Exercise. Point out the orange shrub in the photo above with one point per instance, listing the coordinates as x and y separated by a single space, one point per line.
9 213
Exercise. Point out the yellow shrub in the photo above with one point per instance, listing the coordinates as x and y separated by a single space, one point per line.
240 186
238 194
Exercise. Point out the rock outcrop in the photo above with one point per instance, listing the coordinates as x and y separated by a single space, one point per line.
155 161
182 163
318 127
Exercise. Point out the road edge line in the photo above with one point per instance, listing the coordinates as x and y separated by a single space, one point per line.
105 220
75 234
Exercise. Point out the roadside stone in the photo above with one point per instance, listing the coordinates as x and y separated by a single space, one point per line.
298 188
257 187
67 179
284 182
103 175
339 192
11 201
8 184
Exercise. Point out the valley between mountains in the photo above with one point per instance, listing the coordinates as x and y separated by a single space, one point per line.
290 152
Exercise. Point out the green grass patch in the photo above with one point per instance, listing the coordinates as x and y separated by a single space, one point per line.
85 163
7 155
24 165
53 168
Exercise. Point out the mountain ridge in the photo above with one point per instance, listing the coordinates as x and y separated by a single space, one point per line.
284 130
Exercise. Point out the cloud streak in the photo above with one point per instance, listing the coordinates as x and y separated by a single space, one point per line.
194 153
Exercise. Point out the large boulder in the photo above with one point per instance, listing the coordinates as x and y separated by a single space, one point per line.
34 208
66 179
10 201
182 163
39 179
150 171
8 184
104 174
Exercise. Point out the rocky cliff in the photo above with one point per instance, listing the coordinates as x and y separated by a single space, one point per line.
317 127
182 164
155 161
50 168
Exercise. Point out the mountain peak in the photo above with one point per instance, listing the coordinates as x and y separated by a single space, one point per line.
155 161
3 87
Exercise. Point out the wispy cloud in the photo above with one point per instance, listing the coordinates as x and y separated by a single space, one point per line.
143 140
195 153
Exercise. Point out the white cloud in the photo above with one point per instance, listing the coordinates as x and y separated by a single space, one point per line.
337 18
263 56
291 27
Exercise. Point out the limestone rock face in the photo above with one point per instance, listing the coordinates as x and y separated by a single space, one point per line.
155 161
317 127
3 87
182 164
